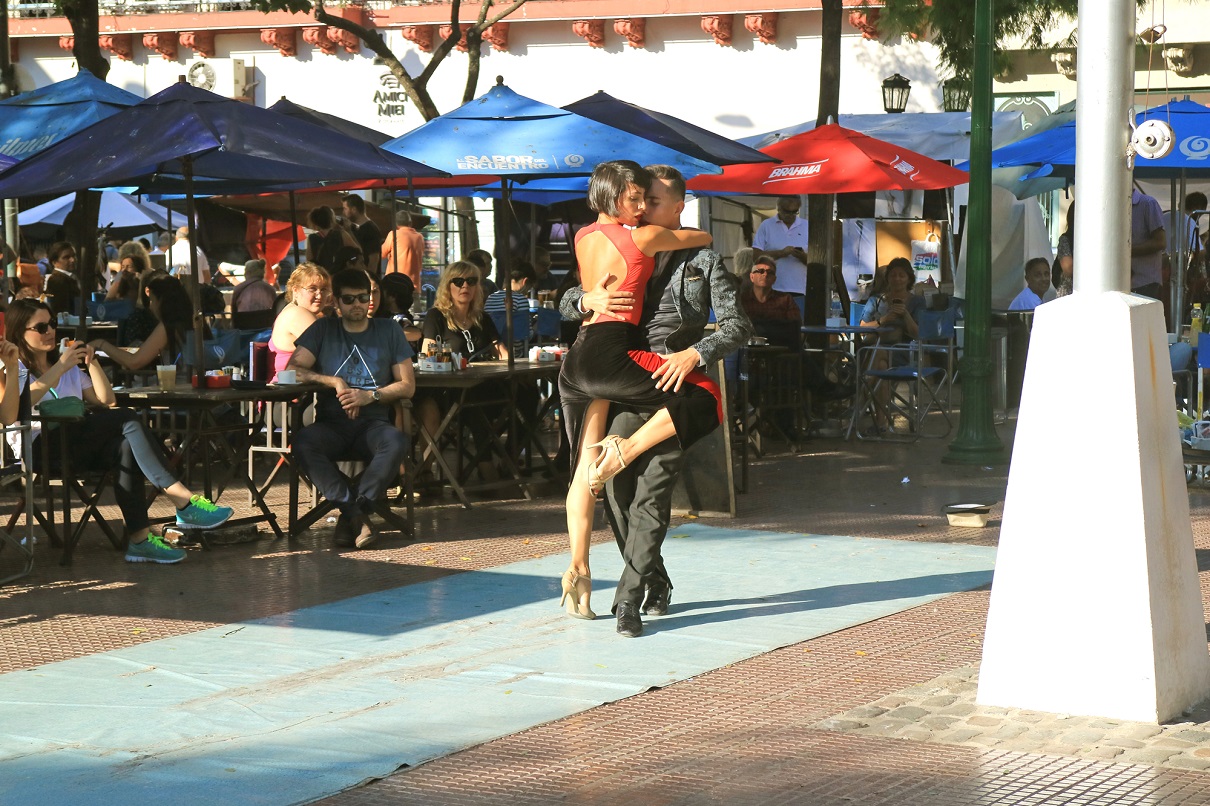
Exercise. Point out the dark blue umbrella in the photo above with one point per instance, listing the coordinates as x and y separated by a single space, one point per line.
34 121
511 136
183 133
666 130
229 145
372 136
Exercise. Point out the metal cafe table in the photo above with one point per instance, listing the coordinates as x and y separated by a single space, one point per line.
463 382
204 438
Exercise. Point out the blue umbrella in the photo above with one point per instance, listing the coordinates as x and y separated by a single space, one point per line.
514 137
33 121
508 135
118 212
1054 150
666 130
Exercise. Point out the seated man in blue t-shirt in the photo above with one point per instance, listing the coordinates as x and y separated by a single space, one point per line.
367 364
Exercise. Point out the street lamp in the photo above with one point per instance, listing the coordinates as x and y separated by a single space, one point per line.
895 92
956 94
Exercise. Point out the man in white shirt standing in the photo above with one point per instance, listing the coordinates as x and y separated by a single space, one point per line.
178 258
784 238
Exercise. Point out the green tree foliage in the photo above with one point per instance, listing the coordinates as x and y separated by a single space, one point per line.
950 24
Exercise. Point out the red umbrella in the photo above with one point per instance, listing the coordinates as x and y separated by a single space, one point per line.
832 159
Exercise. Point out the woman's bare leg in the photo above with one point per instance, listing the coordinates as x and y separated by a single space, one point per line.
581 503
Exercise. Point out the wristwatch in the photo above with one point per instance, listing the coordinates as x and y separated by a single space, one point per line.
377 397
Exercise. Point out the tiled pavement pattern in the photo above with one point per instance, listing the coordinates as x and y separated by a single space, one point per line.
944 710
738 735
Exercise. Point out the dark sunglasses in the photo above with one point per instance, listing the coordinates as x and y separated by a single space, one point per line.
461 281
42 328
349 299
764 271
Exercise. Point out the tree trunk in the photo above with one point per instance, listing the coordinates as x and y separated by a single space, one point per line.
85 23
819 207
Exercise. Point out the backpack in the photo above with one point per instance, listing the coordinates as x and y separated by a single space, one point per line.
212 300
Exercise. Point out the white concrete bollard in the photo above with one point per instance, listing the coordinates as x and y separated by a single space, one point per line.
1095 606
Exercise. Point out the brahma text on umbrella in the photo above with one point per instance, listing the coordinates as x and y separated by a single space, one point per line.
783 172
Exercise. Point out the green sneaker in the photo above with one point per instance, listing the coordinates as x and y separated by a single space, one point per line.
201 514
153 550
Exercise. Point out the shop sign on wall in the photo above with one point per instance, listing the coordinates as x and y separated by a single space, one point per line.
390 98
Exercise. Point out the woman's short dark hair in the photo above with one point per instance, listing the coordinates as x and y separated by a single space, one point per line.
906 266
398 288
609 181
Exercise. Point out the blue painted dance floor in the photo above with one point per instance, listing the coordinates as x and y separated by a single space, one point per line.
289 709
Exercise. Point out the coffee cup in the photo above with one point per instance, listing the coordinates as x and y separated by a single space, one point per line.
287 376
166 375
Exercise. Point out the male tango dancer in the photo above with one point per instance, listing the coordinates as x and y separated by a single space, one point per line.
685 286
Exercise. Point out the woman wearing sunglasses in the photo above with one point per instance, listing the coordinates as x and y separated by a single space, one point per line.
307 292
106 438
458 320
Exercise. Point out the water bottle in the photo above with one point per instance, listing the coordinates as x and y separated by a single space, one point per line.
1195 323
837 308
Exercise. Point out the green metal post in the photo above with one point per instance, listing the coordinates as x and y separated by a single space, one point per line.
977 442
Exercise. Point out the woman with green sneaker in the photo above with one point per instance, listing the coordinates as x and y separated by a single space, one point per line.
105 438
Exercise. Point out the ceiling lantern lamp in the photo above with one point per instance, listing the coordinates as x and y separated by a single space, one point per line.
956 94
895 92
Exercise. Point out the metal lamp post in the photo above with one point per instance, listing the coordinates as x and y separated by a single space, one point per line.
977 442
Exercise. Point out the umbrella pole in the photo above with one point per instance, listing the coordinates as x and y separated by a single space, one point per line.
1182 257
195 291
294 225
504 252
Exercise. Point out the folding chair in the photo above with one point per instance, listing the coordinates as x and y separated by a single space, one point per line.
914 391
771 391
87 491
15 471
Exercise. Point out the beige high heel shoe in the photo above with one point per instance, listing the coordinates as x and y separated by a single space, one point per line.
597 479
577 590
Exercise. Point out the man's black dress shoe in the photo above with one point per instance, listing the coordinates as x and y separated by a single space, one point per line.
629 623
657 601
348 525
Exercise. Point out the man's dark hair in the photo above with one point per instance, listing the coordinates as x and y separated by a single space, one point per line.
349 280
676 182
57 250
610 179
522 270
480 257
321 217
1195 201
355 202
1033 261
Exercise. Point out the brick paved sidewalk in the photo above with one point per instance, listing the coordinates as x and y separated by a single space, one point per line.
742 734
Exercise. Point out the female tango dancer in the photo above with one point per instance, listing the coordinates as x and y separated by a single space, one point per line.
606 365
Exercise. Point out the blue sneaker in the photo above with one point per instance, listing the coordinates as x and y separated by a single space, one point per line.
201 514
153 550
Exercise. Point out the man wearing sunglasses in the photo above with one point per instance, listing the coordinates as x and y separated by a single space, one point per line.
683 289
367 365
